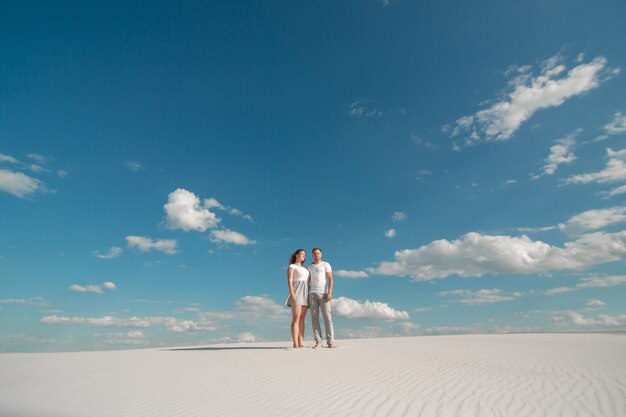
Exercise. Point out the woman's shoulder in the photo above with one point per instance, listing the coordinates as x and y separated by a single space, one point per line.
294 266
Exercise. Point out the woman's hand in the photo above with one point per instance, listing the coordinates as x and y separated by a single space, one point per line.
292 297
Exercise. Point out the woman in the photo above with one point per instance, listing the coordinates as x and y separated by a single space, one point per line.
298 300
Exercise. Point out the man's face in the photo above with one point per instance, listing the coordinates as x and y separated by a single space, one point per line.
317 255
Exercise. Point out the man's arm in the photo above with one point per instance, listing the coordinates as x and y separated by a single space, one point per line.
329 278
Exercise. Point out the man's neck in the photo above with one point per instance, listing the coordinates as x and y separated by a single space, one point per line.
317 262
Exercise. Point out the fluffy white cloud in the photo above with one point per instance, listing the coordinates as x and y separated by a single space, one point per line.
350 274
93 288
592 302
145 244
617 125
560 153
251 307
114 252
486 296
18 184
230 236
614 192
527 94
593 220
185 212
615 170
247 337
372 310
474 255
399 216
390 234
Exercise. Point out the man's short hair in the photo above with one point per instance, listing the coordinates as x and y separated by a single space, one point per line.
316 248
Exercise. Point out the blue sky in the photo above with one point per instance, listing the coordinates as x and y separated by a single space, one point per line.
463 167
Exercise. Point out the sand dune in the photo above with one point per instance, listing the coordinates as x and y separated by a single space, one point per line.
448 376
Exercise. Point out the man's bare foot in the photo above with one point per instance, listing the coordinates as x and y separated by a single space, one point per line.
331 346
317 346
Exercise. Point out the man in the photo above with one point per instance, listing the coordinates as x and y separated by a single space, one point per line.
320 294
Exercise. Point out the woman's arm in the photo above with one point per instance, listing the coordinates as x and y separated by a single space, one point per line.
292 295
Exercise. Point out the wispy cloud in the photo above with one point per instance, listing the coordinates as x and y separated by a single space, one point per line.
602 320
36 301
560 153
390 234
399 216
617 125
528 93
114 252
350 274
146 244
212 202
593 220
593 282
134 166
19 184
615 170
475 254
230 236
485 296
93 288
373 310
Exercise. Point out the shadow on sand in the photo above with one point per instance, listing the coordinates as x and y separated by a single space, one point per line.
232 348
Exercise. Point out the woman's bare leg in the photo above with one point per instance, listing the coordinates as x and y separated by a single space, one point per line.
295 325
301 327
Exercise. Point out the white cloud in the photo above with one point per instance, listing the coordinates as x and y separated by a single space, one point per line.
485 296
422 309
63 173
560 153
615 170
93 288
406 327
363 333
170 323
399 216
350 274
134 166
373 310
251 307
230 236
185 212
114 252
535 229
592 302
593 282
609 281
527 94
8 158
36 301
39 158
559 290
247 337
452 330
145 244
615 191
617 125
474 255
210 203
602 320
363 108
18 184
390 234
593 220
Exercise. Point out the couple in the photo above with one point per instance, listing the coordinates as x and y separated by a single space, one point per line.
310 287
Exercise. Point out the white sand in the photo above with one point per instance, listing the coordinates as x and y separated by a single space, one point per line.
449 376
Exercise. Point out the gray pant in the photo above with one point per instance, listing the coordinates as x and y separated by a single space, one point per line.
317 302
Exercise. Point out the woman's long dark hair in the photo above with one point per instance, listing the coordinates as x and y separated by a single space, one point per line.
292 260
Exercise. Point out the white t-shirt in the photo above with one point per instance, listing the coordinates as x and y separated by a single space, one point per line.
318 277
300 273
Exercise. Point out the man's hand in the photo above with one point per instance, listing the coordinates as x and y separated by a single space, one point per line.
329 297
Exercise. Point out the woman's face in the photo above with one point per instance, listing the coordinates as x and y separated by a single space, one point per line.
300 256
